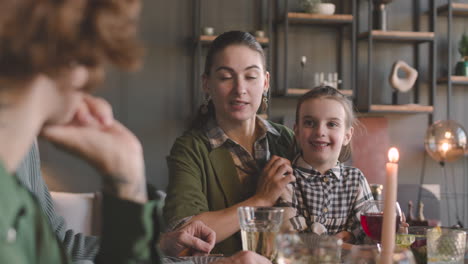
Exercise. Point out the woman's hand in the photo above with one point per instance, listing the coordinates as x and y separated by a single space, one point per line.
197 237
104 142
275 176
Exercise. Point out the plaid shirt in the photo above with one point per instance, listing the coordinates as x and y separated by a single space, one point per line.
332 199
248 167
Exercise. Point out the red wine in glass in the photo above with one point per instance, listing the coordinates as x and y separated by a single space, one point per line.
372 219
372 225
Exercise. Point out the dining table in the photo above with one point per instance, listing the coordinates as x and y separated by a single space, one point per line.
191 259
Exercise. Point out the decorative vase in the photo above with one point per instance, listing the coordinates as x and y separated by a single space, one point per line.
461 69
309 6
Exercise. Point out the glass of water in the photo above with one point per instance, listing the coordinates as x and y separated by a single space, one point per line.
306 248
445 245
364 254
259 227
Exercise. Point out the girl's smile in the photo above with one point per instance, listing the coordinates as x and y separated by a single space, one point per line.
321 132
319 145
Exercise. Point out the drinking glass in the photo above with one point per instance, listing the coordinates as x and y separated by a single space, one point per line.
403 256
370 254
445 245
416 241
364 254
259 228
308 248
372 219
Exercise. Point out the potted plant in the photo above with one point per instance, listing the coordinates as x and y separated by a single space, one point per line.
318 7
462 66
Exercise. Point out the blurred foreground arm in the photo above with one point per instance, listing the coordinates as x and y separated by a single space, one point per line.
128 231
108 145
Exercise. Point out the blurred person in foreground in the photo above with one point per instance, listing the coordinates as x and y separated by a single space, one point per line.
51 54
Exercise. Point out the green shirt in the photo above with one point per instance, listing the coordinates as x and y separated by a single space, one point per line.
202 179
26 236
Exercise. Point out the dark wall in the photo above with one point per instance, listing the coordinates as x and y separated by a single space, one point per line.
156 102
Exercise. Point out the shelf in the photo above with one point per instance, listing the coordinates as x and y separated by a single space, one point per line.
459 9
296 92
207 39
398 36
306 18
402 109
456 80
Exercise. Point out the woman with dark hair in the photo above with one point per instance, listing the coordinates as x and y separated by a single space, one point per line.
230 157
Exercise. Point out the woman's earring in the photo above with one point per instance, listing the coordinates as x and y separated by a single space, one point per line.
204 107
264 102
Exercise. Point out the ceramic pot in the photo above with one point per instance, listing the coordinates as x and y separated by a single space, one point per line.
209 31
326 8
461 69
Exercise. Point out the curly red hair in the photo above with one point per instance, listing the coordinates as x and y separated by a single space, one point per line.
48 36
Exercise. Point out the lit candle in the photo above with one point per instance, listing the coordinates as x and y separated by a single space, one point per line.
389 219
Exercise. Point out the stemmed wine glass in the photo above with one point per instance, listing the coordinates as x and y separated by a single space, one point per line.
372 218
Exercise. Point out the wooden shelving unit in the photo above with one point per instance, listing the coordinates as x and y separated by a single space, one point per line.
450 11
398 36
306 18
456 80
340 24
459 9
207 39
402 109
373 36
296 92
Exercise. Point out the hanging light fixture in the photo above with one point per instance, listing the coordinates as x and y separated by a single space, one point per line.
446 141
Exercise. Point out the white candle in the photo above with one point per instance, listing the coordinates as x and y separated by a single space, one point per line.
389 220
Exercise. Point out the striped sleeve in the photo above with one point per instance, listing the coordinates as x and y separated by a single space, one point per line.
79 246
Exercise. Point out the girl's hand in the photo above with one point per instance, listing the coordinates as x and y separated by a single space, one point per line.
94 135
275 176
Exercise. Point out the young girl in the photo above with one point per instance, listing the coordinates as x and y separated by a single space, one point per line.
327 195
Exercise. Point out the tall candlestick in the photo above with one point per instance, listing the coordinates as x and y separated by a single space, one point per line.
389 216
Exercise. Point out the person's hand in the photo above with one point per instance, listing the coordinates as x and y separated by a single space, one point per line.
345 236
275 176
403 227
243 257
195 236
104 142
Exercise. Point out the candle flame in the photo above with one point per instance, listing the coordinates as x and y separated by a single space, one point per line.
393 155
